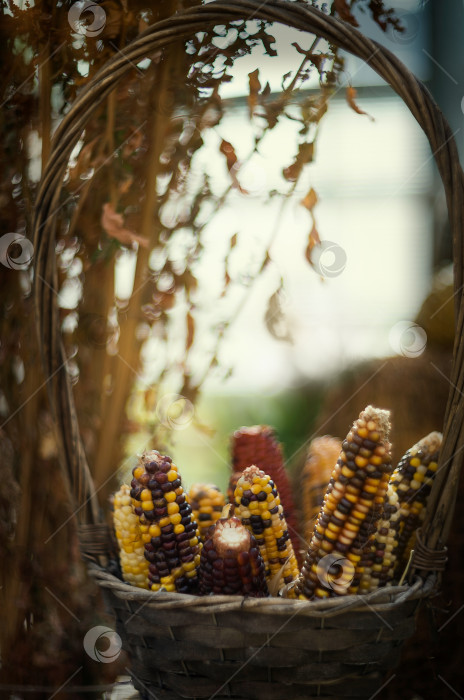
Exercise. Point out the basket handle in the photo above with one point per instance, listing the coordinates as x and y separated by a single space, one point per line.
182 26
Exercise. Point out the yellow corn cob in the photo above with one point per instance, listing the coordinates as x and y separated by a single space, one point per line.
258 445
257 504
207 503
352 505
234 477
322 456
131 545
412 481
173 549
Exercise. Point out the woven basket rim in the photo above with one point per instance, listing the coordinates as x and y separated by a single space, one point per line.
387 598
180 26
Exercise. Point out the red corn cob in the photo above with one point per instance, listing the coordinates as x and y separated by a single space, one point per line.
257 445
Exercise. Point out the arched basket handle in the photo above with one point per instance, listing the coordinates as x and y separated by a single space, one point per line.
182 26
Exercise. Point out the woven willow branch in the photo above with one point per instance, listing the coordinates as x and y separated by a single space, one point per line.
156 38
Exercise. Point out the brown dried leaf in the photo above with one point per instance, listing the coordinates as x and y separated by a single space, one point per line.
113 224
342 8
313 241
350 98
310 200
190 331
233 165
384 17
255 87
275 319
228 151
305 155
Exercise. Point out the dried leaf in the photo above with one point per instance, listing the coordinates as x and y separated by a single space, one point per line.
350 98
310 200
255 87
233 165
228 151
305 155
275 319
190 331
113 224
313 241
268 40
233 241
342 8
275 584
384 17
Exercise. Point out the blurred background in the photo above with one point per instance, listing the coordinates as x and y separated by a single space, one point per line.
252 231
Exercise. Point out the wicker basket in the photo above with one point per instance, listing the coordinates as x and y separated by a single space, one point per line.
223 646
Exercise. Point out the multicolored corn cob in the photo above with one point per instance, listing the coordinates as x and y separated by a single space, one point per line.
322 456
380 569
412 481
173 549
235 476
257 504
258 445
352 506
131 545
231 562
207 502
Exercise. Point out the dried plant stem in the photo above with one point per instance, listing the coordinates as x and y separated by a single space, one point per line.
45 121
127 363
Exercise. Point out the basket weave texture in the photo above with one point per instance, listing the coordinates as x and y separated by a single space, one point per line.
216 647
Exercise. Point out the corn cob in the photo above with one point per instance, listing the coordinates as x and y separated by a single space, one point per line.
207 502
257 504
380 569
235 476
352 505
171 535
412 481
322 456
257 445
131 546
231 562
